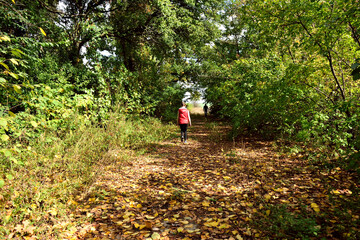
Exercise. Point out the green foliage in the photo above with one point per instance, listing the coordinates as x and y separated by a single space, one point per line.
283 224
55 166
259 96
356 70
286 74
170 102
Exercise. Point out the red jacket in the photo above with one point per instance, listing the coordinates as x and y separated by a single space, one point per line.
184 116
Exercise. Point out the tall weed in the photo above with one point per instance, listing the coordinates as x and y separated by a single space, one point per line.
35 198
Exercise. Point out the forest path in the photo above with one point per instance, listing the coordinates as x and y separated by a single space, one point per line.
211 188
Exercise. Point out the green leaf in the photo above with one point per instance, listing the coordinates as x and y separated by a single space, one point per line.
356 76
14 75
14 160
355 65
2 80
356 71
2 183
17 52
6 152
5 66
9 176
17 88
11 114
3 122
5 137
34 124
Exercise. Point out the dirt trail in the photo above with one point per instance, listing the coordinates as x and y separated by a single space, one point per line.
210 188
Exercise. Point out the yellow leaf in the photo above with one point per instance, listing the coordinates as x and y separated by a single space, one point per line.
34 124
13 1
17 88
268 212
5 38
238 237
14 61
180 229
267 197
315 207
7 218
42 31
53 212
72 202
206 203
224 225
335 192
127 215
139 206
189 226
211 224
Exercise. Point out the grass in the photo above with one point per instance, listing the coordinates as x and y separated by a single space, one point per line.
284 224
34 201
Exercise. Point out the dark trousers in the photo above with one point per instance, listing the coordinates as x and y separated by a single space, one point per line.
183 128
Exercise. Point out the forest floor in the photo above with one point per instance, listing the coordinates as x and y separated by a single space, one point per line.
215 188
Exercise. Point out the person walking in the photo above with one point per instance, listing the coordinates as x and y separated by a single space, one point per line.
183 120
206 110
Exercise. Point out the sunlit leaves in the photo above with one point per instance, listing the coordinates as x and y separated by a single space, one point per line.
5 66
3 122
5 38
34 124
42 31
14 61
17 88
5 137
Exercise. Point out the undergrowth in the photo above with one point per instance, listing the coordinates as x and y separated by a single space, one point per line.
283 224
37 192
